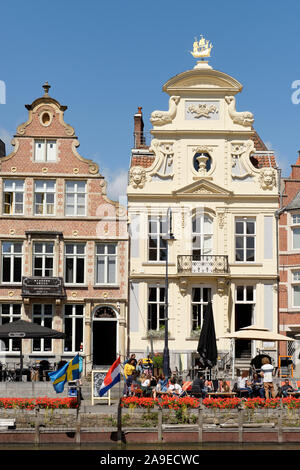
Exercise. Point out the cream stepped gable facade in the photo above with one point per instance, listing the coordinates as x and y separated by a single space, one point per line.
208 165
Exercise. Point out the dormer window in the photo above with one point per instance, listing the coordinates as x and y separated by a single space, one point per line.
45 150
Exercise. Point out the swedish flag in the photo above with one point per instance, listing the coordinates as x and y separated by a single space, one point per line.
69 371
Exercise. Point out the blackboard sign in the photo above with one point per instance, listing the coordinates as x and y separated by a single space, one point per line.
285 366
97 379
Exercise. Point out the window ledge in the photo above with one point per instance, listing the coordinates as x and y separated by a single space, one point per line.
244 263
146 338
106 286
76 286
157 263
10 284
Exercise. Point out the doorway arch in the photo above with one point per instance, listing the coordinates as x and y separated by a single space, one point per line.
104 335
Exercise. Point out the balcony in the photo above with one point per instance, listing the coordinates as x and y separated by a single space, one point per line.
43 287
204 264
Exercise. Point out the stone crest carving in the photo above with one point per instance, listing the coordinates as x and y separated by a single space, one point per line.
137 177
244 118
159 118
202 110
164 152
240 152
267 178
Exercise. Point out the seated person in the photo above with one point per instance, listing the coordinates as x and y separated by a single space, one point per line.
285 388
145 385
224 387
244 385
161 386
174 388
208 386
198 388
257 386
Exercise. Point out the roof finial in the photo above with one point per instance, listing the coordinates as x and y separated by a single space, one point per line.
46 87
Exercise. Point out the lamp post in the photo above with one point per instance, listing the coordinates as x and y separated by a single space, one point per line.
166 355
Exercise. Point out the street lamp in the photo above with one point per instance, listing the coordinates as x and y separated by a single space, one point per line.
166 356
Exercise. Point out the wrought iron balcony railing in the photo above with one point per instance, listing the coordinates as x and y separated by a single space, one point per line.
204 264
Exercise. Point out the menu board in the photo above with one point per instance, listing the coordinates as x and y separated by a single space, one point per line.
97 379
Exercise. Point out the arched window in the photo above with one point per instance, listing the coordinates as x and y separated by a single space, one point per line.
104 312
202 233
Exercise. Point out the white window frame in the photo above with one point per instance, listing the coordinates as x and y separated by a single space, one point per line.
201 303
12 255
202 234
75 193
75 256
13 192
44 255
160 240
158 303
295 225
73 317
106 257
295 284
45 150
245 236
45 191
43 316
12 317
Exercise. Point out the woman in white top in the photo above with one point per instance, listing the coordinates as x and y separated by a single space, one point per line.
174 388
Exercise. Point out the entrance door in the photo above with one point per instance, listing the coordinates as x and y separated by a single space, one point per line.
104 342
243 317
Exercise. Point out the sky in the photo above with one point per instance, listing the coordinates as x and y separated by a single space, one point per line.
104 59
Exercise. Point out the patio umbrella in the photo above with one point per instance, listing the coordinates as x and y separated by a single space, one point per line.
207 346
258 333
24 329
255 332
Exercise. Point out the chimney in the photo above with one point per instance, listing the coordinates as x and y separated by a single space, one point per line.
2 149
139 139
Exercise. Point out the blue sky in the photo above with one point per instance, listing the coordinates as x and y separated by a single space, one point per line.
104 59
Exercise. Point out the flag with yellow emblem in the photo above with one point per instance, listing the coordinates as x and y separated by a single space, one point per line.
69 371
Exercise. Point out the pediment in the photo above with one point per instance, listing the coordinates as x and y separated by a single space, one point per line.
203 188
207 79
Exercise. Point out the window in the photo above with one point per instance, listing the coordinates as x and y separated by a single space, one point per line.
75 197
296 288
44 197
156 308
106 263
200 298
42 315
11 262
13 196
74 263
45 150
244 294
296 231
43 259
245 240
9 313
201 236
73 320
157 244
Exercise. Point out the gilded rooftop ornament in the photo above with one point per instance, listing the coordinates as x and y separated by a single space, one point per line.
202 48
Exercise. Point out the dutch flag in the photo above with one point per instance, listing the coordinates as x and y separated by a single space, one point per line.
112 377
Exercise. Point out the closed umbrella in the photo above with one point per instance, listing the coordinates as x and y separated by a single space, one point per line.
24 329
207 346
